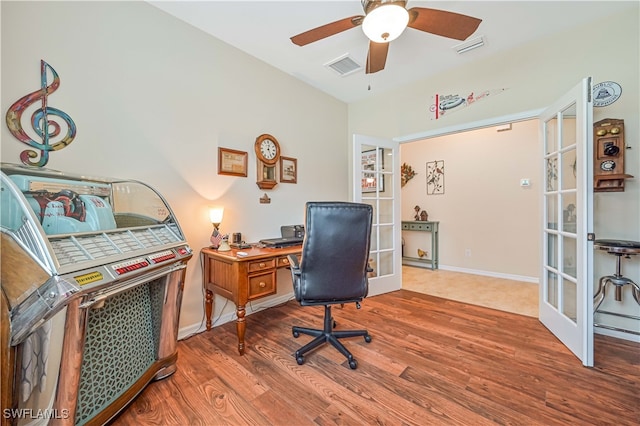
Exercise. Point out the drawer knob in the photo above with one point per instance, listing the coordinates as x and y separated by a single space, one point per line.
262 284
262 265
285 261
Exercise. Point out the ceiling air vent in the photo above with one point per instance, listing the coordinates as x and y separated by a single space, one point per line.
468 45
344 65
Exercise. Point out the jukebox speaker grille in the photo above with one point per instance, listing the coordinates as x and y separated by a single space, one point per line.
121 344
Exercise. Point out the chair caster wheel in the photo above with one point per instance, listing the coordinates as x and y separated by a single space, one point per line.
300 360
367 338
296 334
353 364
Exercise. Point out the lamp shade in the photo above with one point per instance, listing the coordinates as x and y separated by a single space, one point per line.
215 215
385 23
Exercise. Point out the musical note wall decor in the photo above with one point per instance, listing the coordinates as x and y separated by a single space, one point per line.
44 121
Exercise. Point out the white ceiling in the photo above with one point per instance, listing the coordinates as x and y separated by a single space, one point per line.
263 28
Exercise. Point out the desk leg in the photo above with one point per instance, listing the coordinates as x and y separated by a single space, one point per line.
240 327
208 307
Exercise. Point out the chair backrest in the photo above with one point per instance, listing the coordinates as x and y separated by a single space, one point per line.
335 253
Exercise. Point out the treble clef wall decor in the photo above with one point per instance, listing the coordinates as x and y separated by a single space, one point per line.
43 124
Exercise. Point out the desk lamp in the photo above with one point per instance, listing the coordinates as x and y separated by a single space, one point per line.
219 241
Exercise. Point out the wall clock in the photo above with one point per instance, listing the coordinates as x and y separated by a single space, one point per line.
267 149
267 154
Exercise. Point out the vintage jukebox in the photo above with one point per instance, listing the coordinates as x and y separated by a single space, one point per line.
92 277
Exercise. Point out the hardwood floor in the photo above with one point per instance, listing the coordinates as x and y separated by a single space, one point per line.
431 361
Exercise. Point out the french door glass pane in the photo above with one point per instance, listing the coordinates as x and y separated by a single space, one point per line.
569 212
569 297
386 237
552 250
385 263
552 289
569 247
551 175
568 159
552 211
386 210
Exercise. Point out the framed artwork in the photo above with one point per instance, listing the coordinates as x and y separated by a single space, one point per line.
288 170
370 181
232 162
435 177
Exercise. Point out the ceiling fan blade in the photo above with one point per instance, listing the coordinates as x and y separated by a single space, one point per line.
327 30
377 56
443 23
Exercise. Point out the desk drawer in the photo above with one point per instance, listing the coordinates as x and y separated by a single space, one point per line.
262 285
261 265
417 226
283 262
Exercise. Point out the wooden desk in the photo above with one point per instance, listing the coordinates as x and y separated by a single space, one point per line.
241 279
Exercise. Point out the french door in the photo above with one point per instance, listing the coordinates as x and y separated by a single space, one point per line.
566 287
376 181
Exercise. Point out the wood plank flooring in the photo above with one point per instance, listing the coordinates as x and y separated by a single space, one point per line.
432 361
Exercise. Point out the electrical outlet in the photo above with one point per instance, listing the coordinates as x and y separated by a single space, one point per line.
467 253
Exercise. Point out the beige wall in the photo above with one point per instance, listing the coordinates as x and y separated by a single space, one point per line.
536 75
154 98
483 206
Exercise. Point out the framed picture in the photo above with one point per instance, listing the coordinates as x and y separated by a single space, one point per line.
435 177
232 162
370 181
288 170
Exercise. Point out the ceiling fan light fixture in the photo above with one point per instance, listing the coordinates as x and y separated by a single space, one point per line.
385 23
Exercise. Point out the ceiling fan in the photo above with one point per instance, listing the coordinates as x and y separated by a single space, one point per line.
385 20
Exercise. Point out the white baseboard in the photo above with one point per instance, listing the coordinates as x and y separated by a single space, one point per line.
523 278
251 308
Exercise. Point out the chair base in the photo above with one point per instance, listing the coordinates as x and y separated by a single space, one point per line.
328 335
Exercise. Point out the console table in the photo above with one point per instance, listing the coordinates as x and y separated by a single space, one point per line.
422 226
241 279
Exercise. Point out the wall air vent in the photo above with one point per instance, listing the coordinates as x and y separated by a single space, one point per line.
468 45
344 65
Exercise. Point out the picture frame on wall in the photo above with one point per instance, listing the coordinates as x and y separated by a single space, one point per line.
232 162
370 181
435 177
288 170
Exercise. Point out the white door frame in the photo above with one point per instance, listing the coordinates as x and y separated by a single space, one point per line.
386 251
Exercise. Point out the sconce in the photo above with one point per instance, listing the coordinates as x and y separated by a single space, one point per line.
219 241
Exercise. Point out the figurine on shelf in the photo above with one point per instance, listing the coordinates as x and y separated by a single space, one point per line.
423 216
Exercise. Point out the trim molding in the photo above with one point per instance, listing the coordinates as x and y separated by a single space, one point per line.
533 280
489 122
251 308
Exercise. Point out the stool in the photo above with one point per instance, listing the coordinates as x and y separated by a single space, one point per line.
617 248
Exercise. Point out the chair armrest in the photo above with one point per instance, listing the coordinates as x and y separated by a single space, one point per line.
294 264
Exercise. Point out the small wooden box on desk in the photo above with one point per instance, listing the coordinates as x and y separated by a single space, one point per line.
241 279
422 226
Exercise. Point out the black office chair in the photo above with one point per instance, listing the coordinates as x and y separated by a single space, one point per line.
333 269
